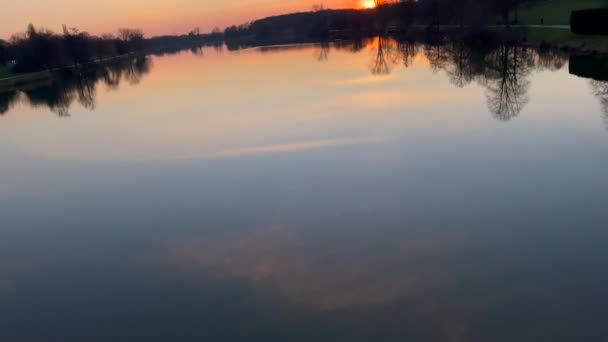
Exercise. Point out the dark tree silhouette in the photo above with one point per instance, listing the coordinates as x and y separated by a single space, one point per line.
437 55
551 59
506 80
408 51
3 52
380 65
7 99
600 90
40 49
322 53
354 45
78 85
460 68
132 39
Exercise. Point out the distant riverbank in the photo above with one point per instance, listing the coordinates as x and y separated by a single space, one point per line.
9 81
556 37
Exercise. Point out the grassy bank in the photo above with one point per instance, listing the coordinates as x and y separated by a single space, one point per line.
24 79
555 12
4 73
10 80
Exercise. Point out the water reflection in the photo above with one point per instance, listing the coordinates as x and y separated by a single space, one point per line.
504 71
379 64
77 85
506 80
600 89
408 50
594 68
342 275
322 52
311 202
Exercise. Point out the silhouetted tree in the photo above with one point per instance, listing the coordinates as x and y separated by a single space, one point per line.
322 53
600 90
195 32
506 80
106 46
40 49
437 55
551 59
3 52
379 65
459 69
132 40
408 51
7 99
37 49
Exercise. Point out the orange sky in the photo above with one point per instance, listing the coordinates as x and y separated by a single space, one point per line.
153 16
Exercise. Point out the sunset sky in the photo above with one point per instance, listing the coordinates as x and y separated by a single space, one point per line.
155 17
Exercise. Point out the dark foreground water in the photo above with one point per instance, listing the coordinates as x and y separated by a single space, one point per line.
376 191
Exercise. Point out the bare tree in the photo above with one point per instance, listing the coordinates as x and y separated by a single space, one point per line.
408 51
386 53
600 89
318 8
506 80
322 54
378 3
132 38
7 100
460 68
438 56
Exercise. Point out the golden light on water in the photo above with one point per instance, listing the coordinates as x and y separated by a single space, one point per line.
368 4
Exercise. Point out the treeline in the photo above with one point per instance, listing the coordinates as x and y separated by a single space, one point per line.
194 40
39 49
389 16
301 25
42 49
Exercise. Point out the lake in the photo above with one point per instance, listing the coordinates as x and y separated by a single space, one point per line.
357 191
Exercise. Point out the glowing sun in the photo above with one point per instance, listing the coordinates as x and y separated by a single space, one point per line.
368 4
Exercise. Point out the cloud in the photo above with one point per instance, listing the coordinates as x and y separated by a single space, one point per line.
359 269
277 148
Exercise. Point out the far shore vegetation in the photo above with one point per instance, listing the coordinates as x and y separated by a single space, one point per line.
540 23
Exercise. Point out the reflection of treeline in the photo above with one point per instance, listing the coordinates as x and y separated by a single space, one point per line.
390 16
594 68
77 85
41 49
503 70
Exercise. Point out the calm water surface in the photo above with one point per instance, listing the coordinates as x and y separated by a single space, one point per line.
373 192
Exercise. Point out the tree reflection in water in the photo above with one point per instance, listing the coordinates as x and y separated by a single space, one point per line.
379 65
322 51
594 68
503 70
506 80
77 85
600 90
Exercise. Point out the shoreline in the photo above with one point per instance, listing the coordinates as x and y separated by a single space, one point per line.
551 37
17 80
